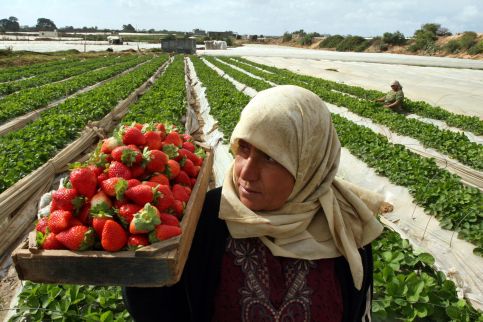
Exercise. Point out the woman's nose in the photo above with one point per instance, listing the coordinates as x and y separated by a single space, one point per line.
250 168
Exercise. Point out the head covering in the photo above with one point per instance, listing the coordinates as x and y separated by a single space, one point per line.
396 83
322 218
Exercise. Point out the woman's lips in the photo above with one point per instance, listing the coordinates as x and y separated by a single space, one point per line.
247 191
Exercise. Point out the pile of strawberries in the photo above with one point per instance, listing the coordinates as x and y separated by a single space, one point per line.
131 192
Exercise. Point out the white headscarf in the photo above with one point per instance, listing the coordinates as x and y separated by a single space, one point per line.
322 217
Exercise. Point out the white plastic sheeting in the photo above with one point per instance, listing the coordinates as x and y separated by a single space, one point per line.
247 73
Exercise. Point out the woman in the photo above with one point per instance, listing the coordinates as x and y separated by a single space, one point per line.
394 98
282 239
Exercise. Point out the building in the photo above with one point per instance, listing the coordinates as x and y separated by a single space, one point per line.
220 35
199 32
215 44
49 34
115 40
185 46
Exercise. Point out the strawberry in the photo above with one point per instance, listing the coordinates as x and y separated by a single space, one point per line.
117 169
145 220
173 138
164 198
153 140
74 221
132 183
190 155
77 238
163 232
84 181
59 220
161 128
171 151
127 154
180 193
168 219
109 144
103 176
183 179
189 146
151 184
66 199
189 168
160 178
136 241
98 222
42 224
186 137
51 242
119 203
132 135
126 212
138 126
178 207
193 182
140 194
96 169
113 237
137 171
172 169
114 187
83 214
156 160
101 204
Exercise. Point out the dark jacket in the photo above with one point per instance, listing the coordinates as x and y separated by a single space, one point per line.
191 299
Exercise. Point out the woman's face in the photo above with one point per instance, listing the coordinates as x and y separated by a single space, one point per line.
262 183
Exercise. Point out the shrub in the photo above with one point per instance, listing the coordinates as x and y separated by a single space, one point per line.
424 40
467 40
306 40
452 46
331 41
476 49
396 38
287 37
353 43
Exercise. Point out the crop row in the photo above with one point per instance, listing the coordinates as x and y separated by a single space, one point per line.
31 99
58 74
164 102
30 147
166 99
13 73
456 206
405 284
455 145
464 122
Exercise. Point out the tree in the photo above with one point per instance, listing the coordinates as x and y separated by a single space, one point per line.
45 24
128 28
396 38
10 24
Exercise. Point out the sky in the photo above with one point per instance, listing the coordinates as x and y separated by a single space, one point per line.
262 17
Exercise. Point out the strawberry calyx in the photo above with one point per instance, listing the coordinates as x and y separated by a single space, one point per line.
171 150
146 219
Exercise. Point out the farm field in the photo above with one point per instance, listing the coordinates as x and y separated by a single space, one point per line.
429 260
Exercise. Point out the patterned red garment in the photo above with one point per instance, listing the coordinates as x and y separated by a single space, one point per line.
257 286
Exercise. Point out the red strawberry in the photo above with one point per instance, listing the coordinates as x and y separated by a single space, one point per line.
127 154
42 224
139 126
132 135
151 184
66 199
183 179
161 128
119 203
178 207
114 187
132 183
83 215
168 219
189 146
59 220
140 194
193 182
173 138
103 176
145 220
77 238
137 171
186 137
74 221
163 232
160 178
189 168
51 242
172 169
109 144
180 193
153 140
165 198
126 213
98 222
114 237
117 169
156 160
136 241
96 169
84 181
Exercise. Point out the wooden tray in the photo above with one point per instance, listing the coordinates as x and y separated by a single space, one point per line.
159 264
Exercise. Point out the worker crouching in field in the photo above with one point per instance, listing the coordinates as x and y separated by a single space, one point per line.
394 99
283 239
